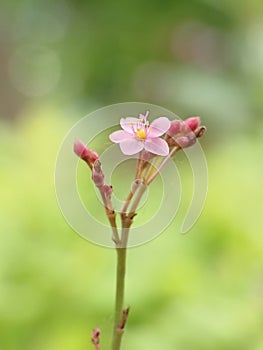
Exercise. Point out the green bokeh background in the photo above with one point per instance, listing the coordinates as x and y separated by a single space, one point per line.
61 60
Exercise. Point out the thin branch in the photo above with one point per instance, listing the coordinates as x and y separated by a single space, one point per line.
127 202
138 195
164 162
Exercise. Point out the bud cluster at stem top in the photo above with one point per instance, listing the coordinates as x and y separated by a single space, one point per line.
184 133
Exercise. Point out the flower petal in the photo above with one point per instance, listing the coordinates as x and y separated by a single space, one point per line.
127 124
157 146
158 127
131 146
120 136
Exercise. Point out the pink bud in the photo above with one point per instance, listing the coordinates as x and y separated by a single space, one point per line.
199 132
95 337
91 157
175 128
182 141
147 155
193 123
184 133
107 190
80 149
84 153
186 141
96 333
97 174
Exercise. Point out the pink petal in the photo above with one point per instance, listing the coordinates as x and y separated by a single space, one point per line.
131 146
120 136
127 123
157 146
158 127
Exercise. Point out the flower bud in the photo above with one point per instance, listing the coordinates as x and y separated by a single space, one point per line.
199 132
107 190
184 133
95 336
84 153
175 127
97 174
96 332
80 149
147 155
192 123
186 141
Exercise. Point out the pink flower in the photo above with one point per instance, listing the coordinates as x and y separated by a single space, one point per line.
138 134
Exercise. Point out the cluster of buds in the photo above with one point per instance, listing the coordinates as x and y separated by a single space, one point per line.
92 160
183 134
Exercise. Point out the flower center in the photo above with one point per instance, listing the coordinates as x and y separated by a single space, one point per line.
140 134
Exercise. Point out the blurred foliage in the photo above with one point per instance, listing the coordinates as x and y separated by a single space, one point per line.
59 60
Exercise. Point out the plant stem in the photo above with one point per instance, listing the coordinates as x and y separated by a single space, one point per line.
121 314
164 162
119 298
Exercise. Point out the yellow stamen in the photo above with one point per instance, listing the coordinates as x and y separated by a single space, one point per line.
140 134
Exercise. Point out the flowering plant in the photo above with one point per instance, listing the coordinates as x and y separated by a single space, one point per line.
155 143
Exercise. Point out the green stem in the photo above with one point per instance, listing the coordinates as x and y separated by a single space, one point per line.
164 162
119 298
121 249
120 283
